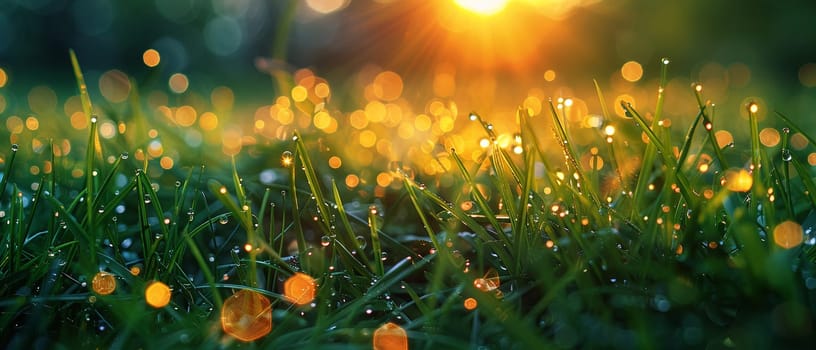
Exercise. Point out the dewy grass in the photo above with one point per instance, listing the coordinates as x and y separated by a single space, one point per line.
676 255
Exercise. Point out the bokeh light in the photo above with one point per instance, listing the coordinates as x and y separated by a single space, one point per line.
738 180
246 315
470 304
390 336
788 234
632 71
299 289
327 6
807 75
157 294
103 283
387 86
769 137
114 86
179 83
151 58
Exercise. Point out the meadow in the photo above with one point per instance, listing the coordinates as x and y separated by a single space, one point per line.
142 220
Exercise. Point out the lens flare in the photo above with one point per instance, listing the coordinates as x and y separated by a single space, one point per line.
299 289
390 336
483 7
246 315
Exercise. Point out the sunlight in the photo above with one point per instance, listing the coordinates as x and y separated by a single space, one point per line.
483 7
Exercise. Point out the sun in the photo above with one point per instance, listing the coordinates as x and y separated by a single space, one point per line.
483 7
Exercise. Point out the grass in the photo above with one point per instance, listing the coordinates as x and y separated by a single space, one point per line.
558 253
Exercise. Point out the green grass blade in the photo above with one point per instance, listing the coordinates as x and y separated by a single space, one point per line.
569 154
314 184
8 170
373 224
479 198
807 180
664 152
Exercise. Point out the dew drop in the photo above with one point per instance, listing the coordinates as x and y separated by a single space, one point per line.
94 119
124 155
178 183
147 199
786 155
15 147
361 242
786 130
223 219
287 158
325 241
473 116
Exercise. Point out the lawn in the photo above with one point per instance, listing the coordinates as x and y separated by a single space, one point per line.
144 212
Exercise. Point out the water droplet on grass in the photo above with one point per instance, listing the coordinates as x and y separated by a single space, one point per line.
15 147
124 155
361 242
786 155
286 158
325 241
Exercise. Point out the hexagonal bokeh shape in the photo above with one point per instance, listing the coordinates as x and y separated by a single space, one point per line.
246 315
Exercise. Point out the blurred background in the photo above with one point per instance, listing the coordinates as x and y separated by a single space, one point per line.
222 40
395 79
